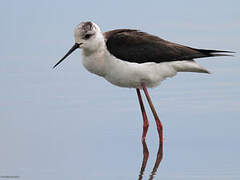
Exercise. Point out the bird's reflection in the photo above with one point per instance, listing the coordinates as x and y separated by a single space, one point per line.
145 159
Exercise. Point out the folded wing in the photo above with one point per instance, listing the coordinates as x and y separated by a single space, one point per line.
140 47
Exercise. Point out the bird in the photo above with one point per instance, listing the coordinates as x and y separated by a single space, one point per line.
132 58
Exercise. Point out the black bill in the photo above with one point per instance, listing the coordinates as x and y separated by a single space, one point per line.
75 46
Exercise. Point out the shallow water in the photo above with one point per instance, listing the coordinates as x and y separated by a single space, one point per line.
55 127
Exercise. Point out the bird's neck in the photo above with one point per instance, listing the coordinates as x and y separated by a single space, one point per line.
95 61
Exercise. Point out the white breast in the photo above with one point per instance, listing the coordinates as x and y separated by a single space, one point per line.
95 62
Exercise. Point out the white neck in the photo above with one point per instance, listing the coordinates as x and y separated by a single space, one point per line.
94 60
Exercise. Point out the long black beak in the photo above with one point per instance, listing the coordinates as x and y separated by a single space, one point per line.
75 46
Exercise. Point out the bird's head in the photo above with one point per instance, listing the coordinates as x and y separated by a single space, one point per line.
88 37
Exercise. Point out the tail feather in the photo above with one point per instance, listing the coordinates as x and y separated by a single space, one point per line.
192 66
212 53
188 66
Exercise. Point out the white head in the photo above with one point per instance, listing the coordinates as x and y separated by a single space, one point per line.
88 37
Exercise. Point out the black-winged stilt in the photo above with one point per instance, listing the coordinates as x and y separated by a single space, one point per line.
135 59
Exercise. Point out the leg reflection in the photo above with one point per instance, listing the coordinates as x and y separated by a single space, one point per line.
145 159
158 160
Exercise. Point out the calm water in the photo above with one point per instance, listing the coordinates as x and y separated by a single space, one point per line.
61 125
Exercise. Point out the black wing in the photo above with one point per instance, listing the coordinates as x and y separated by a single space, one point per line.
135 46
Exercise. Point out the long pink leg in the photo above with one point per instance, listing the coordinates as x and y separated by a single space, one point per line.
144 115
158 122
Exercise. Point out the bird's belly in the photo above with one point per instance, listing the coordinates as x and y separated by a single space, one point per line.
125 80
132 75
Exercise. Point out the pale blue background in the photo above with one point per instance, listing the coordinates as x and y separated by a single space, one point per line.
70 124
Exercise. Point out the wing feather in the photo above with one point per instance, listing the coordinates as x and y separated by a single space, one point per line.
136 46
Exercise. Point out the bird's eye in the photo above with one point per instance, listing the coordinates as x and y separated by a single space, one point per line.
87 36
